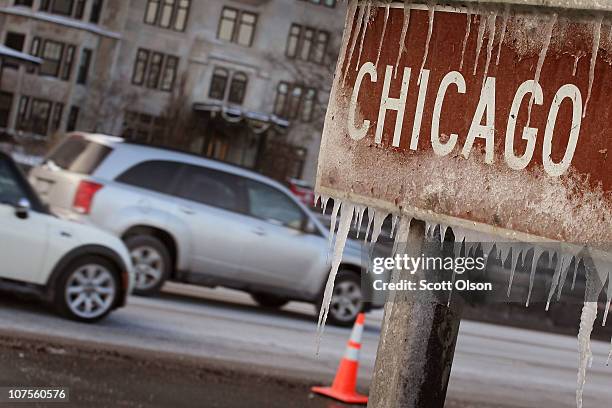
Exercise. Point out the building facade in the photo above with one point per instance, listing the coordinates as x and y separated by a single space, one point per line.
245 81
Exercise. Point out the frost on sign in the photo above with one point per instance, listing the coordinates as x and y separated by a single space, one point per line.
494 120
469 115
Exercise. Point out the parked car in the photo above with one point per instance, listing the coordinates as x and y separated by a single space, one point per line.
302 190
189 219
83 271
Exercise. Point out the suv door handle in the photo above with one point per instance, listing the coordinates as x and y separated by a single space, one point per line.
187 210
259 231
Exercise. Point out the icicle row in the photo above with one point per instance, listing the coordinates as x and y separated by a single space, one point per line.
346 216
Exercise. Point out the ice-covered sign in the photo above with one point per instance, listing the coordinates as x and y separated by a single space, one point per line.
495 119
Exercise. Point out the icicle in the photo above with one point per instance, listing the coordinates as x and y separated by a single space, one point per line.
577 261
594 51
379 218
608 297
394 219
405 26
317 197
609 354
587 320
346 216
428 229
556 278
382 36
491 20
537 253
547 36
481 31
443 229
366 22
352 7
468 26
371 215
568 259
431 6
576 59
516 256
324 201
332 226
360 210
503 32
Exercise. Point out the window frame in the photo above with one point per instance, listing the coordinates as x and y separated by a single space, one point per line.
226 81
288 110
84 66
232 84
237 24
310 35
176 6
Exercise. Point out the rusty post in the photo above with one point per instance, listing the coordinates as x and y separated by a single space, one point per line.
417 342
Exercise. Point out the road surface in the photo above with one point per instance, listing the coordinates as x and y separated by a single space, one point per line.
495 366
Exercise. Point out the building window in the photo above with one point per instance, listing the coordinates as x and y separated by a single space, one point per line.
73 117
238 88
15 41
68 8
38 115
84 66
96 11
6 102
57 57
27 3
328 3
295 102
51 53
218 84
169 73
155 70
307 43
168 13
237 26
56 119
67 65
142 127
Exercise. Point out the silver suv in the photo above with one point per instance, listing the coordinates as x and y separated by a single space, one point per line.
189 219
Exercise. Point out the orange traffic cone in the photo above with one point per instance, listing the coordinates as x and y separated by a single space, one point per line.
345 384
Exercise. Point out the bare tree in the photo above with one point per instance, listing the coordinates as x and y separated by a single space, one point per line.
108 103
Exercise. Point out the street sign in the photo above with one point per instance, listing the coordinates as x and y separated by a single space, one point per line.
495 119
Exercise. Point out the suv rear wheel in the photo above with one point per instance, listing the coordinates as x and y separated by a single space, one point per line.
87 289
151 261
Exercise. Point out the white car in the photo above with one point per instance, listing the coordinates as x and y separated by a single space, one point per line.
85 272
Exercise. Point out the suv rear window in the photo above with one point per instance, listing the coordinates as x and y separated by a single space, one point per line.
154 175
79 155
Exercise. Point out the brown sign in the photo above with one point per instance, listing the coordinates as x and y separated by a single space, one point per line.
494 119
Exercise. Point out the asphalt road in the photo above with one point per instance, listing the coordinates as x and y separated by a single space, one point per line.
254 353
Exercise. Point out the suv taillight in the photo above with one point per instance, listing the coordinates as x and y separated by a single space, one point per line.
84 196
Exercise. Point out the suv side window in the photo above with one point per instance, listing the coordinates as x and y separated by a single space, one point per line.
268 203
209 187
11 191
154 175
